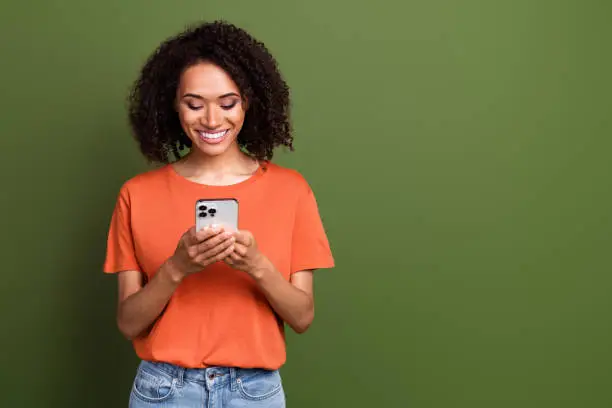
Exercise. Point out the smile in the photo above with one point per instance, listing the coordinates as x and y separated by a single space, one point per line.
215 137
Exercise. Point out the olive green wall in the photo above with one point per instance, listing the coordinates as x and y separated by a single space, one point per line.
460 152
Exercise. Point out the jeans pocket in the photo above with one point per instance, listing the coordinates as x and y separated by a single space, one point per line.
261 385
151 385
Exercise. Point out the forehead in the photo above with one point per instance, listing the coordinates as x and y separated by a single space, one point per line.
207 80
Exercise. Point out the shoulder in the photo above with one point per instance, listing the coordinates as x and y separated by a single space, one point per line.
145 183
291 180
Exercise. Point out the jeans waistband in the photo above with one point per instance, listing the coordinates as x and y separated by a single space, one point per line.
219 374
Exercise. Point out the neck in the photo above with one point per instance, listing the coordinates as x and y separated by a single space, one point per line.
233 161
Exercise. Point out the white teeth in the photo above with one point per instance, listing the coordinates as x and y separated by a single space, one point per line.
216 135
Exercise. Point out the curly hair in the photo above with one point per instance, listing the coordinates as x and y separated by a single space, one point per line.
152 115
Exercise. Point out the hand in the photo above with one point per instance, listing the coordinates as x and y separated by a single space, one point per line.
196 250
245 256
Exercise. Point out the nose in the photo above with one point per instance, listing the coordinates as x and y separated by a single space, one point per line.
211 118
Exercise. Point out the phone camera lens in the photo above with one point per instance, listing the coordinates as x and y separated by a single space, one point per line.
202 208
203 214
212 211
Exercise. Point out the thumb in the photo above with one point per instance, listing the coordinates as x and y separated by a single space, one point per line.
244 237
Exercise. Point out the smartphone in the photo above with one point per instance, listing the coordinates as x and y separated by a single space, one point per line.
219 211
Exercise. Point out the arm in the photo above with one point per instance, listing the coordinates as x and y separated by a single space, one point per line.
139 306
293 301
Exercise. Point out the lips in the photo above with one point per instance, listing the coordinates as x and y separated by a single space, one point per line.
213 137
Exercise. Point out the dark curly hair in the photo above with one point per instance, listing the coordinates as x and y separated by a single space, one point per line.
152 115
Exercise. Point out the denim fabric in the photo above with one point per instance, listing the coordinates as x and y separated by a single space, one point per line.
170 386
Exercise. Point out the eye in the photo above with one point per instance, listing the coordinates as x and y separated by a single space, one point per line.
229 106
194 107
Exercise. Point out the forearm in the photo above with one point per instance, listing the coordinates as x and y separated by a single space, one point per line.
293 305
138 311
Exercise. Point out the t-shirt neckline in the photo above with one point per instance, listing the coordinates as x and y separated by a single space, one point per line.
257 174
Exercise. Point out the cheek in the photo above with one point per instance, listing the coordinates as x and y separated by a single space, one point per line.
236 116
187 116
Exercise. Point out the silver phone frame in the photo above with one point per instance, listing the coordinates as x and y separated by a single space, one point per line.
226 213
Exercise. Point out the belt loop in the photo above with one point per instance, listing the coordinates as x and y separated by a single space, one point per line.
233 379
180 375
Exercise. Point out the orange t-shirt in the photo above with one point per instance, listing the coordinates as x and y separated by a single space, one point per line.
217 317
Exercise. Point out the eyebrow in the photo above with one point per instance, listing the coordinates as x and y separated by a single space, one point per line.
220 97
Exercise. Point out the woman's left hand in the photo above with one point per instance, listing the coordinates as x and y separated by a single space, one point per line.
246 256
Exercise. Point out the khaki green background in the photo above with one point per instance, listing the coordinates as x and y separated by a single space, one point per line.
460 152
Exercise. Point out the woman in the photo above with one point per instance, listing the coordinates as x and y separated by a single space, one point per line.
206 309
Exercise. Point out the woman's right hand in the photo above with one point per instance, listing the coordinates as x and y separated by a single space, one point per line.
196 250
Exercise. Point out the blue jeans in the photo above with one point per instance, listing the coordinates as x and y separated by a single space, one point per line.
169 386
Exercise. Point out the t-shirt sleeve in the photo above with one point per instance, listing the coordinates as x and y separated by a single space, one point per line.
120 254
310 245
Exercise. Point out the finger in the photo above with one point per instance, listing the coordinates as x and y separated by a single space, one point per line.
189 236
240 249
209 255
196 249
211 243
222 255
243 237
206 233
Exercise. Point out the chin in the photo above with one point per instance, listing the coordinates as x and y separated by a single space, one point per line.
208 152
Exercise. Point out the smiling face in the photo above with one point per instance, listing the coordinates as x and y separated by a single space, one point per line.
210 109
